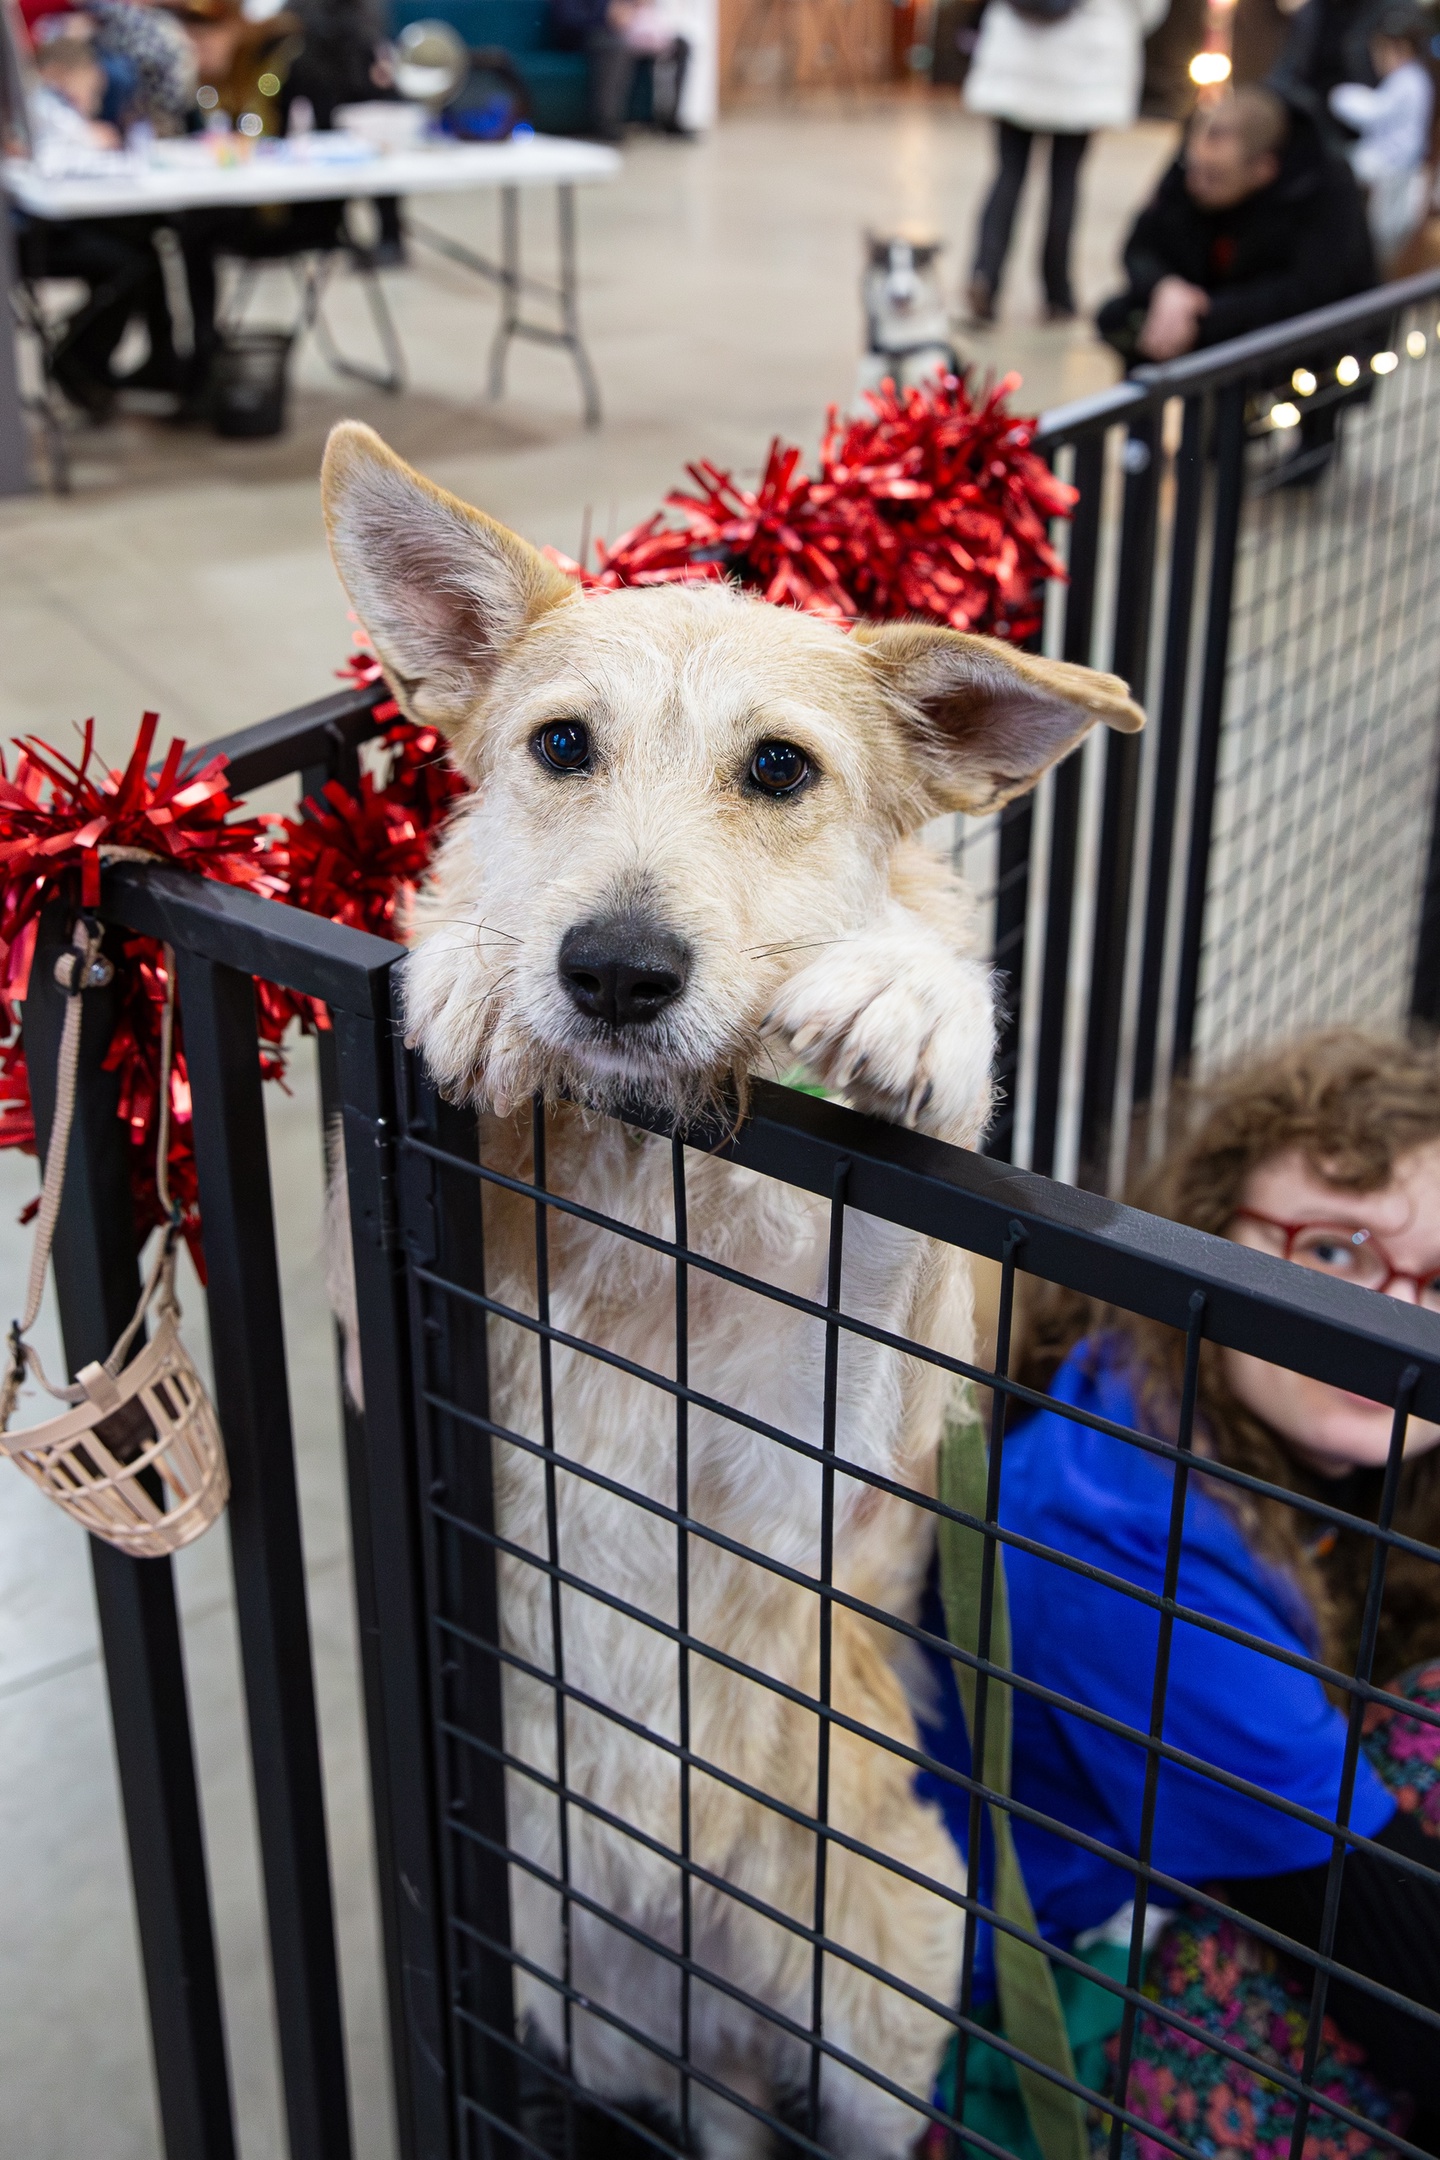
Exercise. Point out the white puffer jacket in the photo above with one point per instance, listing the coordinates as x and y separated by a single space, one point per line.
1065 77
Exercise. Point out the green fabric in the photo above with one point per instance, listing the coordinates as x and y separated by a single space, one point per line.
1045 2013
804 1082
993 2102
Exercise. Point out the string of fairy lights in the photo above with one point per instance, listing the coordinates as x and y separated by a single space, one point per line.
1345 374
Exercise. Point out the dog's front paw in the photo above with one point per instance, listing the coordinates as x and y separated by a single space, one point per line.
898 1023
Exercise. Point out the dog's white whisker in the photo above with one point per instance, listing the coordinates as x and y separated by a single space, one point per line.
468 922
772 952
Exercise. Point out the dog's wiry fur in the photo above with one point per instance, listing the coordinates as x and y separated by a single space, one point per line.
816 926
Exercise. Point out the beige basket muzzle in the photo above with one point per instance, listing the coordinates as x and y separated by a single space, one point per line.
155 1416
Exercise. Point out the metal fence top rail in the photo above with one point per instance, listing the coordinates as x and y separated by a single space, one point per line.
1155 1267
1336 1332
1216 367
294 741
243 930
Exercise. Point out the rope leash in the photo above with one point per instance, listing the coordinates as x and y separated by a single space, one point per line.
83 968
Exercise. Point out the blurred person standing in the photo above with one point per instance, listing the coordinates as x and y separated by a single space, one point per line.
1393 122
1061 68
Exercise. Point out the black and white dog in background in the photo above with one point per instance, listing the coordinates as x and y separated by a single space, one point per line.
907 324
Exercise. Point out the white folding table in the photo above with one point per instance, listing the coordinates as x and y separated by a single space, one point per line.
197 173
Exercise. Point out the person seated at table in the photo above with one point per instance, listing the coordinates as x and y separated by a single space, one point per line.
149 74
1252 224
1325 1153
344 60
114 257
69 91
614 35
241 65
244 70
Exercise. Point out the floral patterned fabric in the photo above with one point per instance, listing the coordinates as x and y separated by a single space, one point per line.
1224 1980
1219 1976
1406 1750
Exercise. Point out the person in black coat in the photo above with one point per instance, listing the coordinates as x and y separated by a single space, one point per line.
1255 222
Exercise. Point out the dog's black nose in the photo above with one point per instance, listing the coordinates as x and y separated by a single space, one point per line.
623 971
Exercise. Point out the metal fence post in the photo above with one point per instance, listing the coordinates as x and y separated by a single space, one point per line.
217 1006
385 1501
98 1282
1115 870
443 1228
1169 725
1089 478
1229 424
1012 902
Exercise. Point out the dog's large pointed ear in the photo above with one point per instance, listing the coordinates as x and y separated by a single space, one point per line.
982 720
442 590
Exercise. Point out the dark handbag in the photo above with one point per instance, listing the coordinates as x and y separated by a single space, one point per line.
491 101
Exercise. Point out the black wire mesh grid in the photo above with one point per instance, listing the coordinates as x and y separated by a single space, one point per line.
1233 890
1328 748
521 2082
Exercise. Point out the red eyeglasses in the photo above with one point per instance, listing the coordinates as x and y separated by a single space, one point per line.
1349 1254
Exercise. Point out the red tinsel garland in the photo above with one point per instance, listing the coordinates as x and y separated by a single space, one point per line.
358 858
352 858
932 504
60 820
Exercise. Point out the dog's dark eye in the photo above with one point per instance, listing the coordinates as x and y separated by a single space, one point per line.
778 768
565 744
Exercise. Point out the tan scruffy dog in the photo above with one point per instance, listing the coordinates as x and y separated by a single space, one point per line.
690 854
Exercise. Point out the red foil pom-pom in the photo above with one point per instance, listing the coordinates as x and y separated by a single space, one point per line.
930 505
351 857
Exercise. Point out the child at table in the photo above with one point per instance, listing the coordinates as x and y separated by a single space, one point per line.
114 257
69 91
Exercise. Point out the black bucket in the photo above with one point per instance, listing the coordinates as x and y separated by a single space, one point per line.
248 382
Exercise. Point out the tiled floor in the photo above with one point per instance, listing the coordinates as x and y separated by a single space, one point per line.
720 298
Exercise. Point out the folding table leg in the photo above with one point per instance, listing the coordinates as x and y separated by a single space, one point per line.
14 460
509 287
569 304
392 376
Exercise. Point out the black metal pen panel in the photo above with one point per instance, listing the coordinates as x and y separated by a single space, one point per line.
523 2085
1256 550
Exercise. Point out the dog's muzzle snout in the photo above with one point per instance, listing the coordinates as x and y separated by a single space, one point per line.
624 972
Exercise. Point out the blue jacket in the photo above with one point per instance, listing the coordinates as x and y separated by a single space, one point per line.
1106 1501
